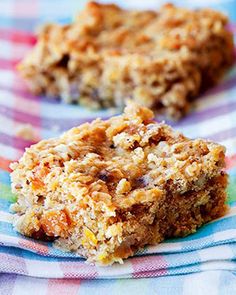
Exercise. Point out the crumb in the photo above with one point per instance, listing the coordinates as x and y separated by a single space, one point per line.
26 131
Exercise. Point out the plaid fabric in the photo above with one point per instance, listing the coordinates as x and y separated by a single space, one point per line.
210 253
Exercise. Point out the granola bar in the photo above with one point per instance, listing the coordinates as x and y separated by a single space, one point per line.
108 188
160 59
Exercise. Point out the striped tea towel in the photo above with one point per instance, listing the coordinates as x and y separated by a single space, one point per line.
211 249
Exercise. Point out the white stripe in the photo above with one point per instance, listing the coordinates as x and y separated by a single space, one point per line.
211 126
201 283
12 127
9 152
216 265
7 125
6 8
165 247
50 10
9 50
51 111
6 217
8 98
230 145
154 4
214 100
9 240
216 237
221 252
7 77
224 235
26 285
41 268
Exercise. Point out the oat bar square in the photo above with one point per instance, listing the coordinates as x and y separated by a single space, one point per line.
160 59
108 188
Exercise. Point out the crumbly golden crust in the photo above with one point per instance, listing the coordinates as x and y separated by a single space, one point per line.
160 59
106 189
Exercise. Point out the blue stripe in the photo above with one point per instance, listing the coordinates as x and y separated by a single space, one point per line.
33 256
4 177
4 204
29 24
178 259
7 229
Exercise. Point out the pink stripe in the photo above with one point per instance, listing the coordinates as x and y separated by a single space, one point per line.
15 142
230 162
76 269
63 286
7 64
16 80
33 246
149 266
4 164
41 122
17 36
232 27
21 90
26 8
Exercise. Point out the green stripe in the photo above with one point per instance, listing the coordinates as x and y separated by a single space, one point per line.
6 194
231 190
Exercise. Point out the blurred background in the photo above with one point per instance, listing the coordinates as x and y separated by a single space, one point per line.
26 14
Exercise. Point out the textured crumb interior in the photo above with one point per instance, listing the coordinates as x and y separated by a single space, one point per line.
160 59
107 188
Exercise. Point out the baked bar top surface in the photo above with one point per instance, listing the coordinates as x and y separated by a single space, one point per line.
112 31
105 184
160 59
121 157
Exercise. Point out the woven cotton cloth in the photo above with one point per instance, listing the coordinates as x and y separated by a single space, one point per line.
173 267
